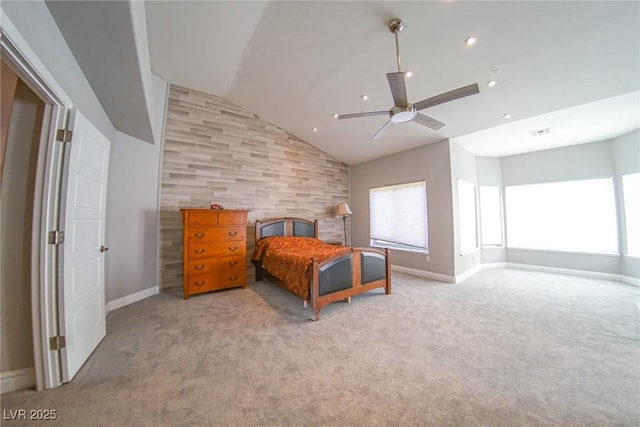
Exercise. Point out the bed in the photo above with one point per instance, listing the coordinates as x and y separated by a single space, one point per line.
289 253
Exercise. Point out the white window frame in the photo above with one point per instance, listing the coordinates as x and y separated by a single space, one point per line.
467 217
491 217
631 202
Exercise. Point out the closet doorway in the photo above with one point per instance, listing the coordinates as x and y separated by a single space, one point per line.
22 120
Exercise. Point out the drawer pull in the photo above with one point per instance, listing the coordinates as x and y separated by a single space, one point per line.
199 251
231 278
199 235
232 263
235 248
200 283
233 233
200 267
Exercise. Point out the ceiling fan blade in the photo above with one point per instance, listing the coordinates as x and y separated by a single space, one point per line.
428 121
447 96
382 130
370 113
398 89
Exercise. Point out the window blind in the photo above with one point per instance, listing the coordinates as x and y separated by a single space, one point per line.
398 215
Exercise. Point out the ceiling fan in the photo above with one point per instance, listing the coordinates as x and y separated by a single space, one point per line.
403 111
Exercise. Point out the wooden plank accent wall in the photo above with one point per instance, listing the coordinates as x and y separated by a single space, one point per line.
214 151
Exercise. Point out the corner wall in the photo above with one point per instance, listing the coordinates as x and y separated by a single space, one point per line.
430 163
626 159
214 151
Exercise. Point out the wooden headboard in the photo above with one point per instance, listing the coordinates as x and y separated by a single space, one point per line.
287 226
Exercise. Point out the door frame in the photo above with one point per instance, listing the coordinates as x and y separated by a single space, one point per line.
47 199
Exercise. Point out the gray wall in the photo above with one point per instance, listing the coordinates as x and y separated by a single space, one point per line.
132 217
430 163
132 208
214 151
584 161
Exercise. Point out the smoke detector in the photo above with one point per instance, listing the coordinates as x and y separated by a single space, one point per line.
540 132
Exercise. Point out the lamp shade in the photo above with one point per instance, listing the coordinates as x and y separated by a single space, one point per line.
342 210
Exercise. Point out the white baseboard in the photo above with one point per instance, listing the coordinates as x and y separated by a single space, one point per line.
17 380
468 273
631 280
493 265
130 299
426 274
457 279
580 273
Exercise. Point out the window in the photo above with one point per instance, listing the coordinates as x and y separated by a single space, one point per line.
467 216
490 216
631 194
576 216
398 215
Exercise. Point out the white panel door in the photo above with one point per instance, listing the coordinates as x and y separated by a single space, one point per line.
82 294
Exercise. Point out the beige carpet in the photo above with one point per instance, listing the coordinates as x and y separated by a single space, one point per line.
503 348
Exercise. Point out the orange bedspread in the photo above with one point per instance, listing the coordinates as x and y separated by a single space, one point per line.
289 259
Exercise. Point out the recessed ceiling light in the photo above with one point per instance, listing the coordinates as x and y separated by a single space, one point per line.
492 83
408 73
364 97
507 115
470 41
315 129
335 115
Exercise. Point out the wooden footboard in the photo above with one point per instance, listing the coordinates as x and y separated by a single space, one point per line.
349 274
334 279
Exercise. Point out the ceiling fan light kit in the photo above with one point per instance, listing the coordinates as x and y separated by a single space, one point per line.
403 111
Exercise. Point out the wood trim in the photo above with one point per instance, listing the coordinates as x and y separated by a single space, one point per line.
357 287
288 225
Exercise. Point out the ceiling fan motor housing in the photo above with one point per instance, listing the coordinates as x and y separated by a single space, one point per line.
404 114
396 25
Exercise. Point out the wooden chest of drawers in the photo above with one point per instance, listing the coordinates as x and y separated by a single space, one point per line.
215 249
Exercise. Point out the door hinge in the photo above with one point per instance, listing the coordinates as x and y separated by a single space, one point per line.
58 342
64 135
56 237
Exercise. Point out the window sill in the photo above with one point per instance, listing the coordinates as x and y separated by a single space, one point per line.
413 251
559 251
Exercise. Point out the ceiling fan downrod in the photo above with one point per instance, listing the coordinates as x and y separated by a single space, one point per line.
395 26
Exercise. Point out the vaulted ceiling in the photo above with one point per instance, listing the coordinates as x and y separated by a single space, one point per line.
570 67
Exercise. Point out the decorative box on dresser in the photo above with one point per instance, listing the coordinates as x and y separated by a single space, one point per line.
215 248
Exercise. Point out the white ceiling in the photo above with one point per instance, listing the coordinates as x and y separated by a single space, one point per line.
571 66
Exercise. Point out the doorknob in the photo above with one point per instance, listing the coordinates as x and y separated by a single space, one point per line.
103 248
